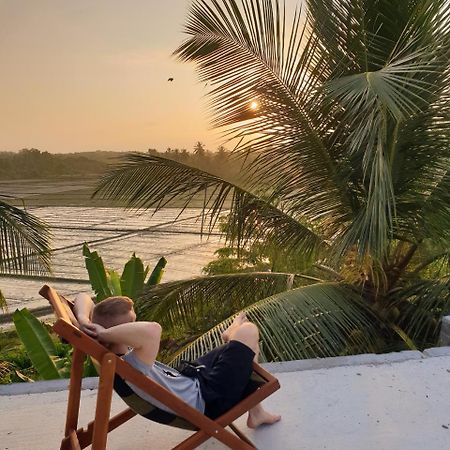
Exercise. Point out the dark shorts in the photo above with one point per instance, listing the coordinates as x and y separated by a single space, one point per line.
226 378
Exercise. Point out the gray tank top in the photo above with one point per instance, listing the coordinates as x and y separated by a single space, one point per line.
188 389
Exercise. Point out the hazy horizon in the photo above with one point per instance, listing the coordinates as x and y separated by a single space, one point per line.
189 148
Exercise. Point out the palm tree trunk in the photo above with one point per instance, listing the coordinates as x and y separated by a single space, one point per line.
396 271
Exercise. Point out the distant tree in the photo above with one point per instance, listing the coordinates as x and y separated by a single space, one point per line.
32 163
221 154
30 152
184 155
199 149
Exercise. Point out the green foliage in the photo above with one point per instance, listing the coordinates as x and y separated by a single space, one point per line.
190 307
24 244
132 280
98 276
106 282
14 361
257 257
230 260
157 273
16 366
49 359
345 162
32 352
313 321
113 282
40 347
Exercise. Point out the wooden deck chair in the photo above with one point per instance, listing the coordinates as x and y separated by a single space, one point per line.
113 374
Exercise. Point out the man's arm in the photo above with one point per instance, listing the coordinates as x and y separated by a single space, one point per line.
144 337
83 307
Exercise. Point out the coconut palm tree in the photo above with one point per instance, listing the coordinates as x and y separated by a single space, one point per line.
342 121
24 243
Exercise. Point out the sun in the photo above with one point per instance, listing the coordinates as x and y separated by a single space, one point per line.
254 105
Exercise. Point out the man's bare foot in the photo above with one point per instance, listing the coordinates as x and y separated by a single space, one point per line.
238 321
260 416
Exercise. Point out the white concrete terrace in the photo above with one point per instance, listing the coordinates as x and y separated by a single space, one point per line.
396 401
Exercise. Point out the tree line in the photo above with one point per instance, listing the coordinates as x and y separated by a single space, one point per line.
33 163
219 162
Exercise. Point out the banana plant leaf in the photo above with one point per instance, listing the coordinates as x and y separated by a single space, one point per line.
321 320
157 273
146 271
97 273
38 344
132 279
113 281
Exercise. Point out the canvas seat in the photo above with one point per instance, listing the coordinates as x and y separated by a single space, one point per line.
114 373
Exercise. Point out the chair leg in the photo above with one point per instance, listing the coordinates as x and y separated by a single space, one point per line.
74 444
84 435
241 435
226 437
73 404
104 397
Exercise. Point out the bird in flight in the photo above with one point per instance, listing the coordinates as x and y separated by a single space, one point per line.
170 79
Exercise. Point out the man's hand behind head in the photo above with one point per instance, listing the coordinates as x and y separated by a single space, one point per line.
92 329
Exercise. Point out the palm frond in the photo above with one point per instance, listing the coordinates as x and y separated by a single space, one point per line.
191 307
436 263
435 212
247 51
313 321
377 100
334 90
361 36
24 242
420 307
422 179
146 181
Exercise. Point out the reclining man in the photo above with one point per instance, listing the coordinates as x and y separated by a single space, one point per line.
222 378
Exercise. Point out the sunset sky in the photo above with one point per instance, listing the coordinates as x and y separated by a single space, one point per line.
88 75
81 75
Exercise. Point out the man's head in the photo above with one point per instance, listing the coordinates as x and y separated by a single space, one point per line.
113 311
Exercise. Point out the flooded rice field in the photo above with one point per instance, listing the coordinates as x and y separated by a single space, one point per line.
115 233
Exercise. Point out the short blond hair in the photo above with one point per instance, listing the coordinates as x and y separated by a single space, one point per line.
108 311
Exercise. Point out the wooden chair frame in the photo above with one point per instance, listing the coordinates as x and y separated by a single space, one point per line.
96 432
